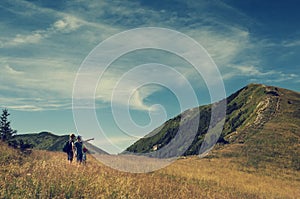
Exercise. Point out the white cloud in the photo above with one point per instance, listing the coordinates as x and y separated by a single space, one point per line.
139 95
60 24
68 24
102 19
293 43
34 104
8 70
252 71
282 77
28 81
35 37
240 71
223 47
256 74
106 90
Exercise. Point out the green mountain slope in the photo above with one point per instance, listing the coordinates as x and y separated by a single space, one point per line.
262 124
43 140
273 135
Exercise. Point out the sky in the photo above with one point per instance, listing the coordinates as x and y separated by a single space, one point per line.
44 45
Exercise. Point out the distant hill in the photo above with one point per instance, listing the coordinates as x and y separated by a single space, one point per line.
49 141
262 124
43 140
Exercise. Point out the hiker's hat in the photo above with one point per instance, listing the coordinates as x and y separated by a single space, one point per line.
72 135
79 137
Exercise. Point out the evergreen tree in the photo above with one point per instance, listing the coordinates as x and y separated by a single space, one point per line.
6 131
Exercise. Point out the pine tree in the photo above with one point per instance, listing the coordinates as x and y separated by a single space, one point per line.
6 131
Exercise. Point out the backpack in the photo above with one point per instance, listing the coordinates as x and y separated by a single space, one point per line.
84 149
67 147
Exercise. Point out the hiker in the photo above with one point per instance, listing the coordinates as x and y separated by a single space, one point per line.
78 147
69 147
84 151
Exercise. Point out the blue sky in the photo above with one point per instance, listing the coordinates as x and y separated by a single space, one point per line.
43 43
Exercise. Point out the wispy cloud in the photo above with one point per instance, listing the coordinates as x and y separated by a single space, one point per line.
67 24
292 43
252 71
41 59
34 104
21 39
125 93
26 78
255 74
56 23
281 77
8 70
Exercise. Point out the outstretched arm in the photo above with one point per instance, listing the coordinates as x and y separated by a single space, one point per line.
89 139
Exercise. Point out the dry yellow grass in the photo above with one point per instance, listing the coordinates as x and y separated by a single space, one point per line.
46 174
230 180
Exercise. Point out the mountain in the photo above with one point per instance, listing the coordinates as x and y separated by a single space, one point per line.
261 126
51 142
43 140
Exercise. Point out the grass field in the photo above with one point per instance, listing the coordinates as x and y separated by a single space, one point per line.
44 174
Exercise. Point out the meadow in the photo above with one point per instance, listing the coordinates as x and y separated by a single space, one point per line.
44 174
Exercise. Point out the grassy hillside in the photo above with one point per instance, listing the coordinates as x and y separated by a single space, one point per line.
273 136
45 174
257 156
262 125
